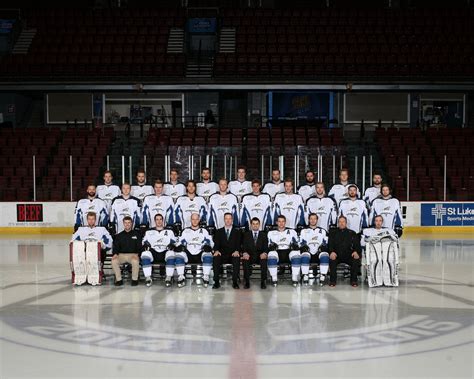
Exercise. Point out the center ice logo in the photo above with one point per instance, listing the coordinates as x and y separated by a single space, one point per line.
62 332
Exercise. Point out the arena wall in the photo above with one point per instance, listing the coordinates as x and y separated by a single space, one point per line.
58 217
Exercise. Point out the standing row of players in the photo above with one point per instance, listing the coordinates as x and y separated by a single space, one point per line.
243 199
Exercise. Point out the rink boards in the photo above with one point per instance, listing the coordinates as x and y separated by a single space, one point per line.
58 217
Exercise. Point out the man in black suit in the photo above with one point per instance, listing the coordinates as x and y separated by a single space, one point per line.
227 243
255 245
344 247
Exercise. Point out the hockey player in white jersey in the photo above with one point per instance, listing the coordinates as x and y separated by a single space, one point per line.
290 205
256 204
275 186
141 189
174 188
158 203
325 207
340 191
195 247
380 246
241 186
283 247
158 247
108 191
86 261
389 208
355 211
206 187
308 189
91 204
221 203
187 205
313 247
373 192
125 205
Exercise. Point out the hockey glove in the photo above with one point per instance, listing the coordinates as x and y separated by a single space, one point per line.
305 249
273 246
207 249
399 231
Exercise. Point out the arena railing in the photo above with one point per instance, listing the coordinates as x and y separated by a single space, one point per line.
224 161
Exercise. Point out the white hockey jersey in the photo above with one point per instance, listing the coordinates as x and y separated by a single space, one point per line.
283 239
240 189
141 191
306 191
152 205
389 209
108 193
376 234
325 208
125 207
315 239
291 206
97 206
98 233
371 194
206 189
356 213
339 192
185 207
259 206
219 205
174 190
195 239
272 189
159 240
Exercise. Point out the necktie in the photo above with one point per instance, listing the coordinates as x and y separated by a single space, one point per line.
228 233
255 237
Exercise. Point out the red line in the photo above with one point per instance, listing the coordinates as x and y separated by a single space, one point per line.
243 360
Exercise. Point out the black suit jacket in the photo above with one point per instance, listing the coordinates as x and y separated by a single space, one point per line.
343 242
255 249
227 246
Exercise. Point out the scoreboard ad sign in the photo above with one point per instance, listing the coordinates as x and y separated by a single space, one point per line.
447 214
29 212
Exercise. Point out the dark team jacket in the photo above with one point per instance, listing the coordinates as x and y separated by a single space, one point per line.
343 242
128 242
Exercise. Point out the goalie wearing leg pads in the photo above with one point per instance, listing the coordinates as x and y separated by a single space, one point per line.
382 255
88 249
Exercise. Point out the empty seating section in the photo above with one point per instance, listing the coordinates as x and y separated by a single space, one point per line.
52 149
249 143
426 153
117 42
363 42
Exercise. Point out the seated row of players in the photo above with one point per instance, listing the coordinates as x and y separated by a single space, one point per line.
243 199
312 246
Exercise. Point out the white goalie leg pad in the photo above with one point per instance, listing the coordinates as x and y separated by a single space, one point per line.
180 262
295 260
147 260
323 263
93 263
170 261
78 261
374 264
390 263
272 262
